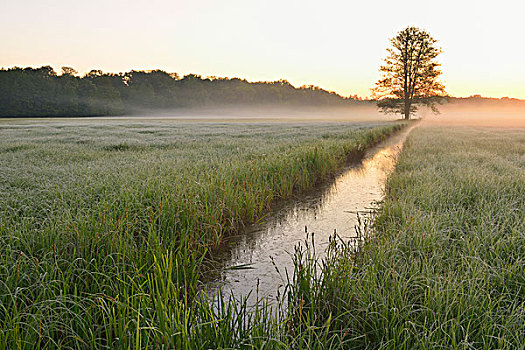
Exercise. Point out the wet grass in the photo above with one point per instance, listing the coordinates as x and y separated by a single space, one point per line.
443 266
105 225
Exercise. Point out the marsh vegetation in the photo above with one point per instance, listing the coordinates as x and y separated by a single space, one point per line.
442 266
106 227
105 242
256 261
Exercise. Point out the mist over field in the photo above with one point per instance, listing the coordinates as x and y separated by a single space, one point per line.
480 112
456 113
494 114
42 92
366 111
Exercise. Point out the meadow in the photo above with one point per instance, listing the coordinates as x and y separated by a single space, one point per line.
107 227
443 262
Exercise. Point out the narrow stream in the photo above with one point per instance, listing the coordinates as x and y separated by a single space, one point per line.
250 260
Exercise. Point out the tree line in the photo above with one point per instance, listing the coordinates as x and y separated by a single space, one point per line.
41 92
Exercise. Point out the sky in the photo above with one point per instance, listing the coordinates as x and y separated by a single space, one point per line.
337 45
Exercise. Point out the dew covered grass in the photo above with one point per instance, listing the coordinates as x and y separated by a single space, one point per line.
444 263
106 226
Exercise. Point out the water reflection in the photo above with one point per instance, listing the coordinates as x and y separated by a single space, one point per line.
250 260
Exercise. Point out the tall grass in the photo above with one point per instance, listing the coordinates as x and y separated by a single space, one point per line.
444 264
105 226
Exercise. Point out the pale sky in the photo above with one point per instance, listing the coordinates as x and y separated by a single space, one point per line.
337 45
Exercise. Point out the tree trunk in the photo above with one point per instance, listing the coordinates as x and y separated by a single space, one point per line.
407 109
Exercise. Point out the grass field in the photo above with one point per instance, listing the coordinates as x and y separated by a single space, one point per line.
105 225
444 266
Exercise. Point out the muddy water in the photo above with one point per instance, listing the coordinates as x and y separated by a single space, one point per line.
250 260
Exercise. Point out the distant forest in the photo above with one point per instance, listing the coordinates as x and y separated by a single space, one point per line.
41 92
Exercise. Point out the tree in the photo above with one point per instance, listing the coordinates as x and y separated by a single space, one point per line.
409 76
69 71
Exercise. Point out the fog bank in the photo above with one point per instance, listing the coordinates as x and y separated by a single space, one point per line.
363 112
484 114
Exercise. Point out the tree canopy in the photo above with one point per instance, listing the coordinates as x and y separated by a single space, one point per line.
409 76
42 92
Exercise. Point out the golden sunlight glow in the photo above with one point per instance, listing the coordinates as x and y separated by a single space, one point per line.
337 45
